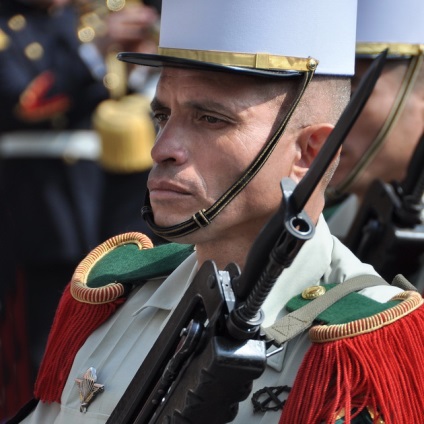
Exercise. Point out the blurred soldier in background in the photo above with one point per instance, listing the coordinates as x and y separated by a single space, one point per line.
382 143
56 69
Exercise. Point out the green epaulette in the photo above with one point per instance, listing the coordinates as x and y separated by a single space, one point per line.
128 264
122 262
349 308
361 350
334 311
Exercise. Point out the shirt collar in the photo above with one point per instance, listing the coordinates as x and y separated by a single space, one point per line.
171 289
307 269
293 280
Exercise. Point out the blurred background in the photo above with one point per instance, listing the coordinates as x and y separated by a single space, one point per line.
75 139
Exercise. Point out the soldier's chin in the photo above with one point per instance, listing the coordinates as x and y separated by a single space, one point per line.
168 220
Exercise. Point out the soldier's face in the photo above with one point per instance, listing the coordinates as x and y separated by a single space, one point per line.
390 162
210 127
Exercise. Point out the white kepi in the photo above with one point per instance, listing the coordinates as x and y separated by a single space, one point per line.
277 37
393 24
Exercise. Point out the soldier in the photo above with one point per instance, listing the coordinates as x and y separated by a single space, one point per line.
238 109
381 144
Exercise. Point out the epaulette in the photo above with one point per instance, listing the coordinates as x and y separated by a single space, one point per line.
349 308
365 355
121 262
98 287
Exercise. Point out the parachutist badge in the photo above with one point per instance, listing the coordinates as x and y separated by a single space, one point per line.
88 388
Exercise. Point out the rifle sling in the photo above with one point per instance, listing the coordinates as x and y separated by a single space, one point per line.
298 321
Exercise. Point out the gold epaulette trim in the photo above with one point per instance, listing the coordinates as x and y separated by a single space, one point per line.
99 295
411 300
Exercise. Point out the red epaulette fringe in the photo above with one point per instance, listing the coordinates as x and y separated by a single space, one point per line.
381 370
81 310
73 323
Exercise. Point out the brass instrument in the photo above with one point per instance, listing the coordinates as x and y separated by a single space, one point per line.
123 122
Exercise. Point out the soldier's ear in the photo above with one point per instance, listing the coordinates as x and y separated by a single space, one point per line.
309 142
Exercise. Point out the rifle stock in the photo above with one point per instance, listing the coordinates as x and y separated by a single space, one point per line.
210 351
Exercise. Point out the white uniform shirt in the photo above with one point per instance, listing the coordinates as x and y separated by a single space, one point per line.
118 347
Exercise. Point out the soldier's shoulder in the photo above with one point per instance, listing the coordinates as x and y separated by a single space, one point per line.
367 310
122 262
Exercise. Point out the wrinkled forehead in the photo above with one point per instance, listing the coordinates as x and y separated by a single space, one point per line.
227 84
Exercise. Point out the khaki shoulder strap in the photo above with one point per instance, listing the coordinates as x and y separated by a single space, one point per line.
297 321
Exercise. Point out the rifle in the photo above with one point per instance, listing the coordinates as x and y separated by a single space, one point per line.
211 349
388 230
